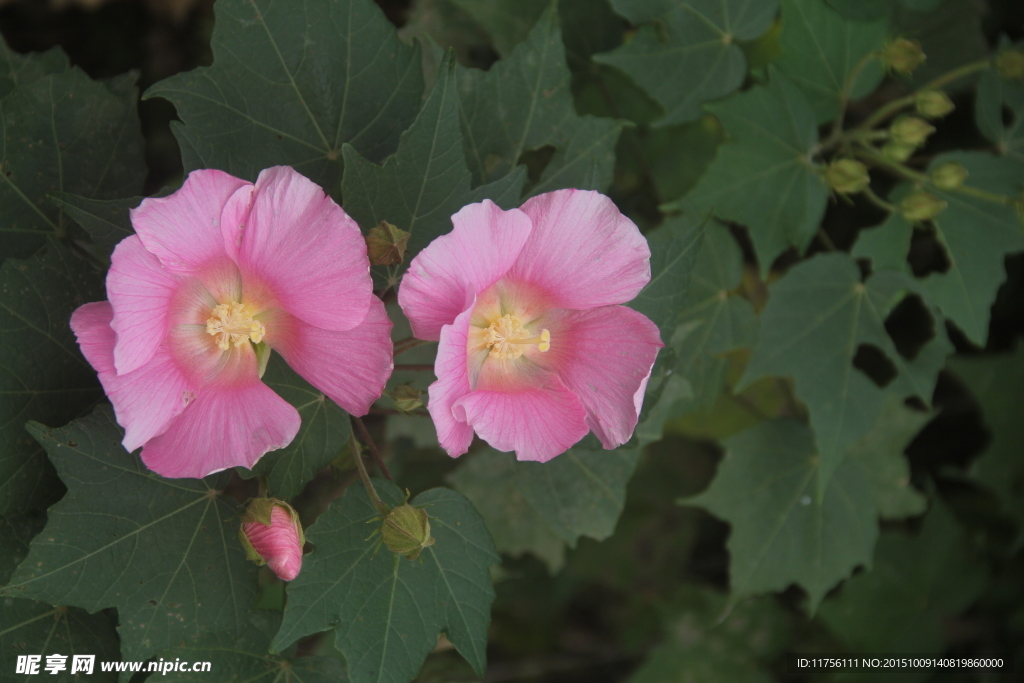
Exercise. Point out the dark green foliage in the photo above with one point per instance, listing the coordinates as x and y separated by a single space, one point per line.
803 476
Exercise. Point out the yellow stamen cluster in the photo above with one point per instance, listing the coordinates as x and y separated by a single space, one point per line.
233 324
506 338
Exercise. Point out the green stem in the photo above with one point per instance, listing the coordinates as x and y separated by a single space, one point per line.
392 411
826 240
945 79
379 504
363 432
844 98
917 176
407 344
878 201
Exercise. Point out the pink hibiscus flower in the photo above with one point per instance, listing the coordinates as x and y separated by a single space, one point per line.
535 348
217 267
271 534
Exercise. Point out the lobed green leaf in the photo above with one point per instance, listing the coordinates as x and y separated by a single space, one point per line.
763 176
915 584
524 103
821 51
690 56
164 552
818 316
977 235
387 610
63 132
245 656
43 376
995 382
789 525
426 181
290 84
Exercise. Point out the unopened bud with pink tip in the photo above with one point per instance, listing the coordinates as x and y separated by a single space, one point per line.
271 534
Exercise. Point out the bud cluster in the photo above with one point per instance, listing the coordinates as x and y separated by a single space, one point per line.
906 134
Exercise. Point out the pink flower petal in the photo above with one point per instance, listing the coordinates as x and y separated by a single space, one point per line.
582 250
145 400
140 291
183 229
443 278
534 414
351 367
451 385
278 543
604 356
301 245
233 422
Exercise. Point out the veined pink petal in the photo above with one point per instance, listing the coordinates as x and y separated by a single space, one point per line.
145 400
278 543
582 250
351 367
140 291
301 245
529 411
604 356
183 229
233 422
443 278
452 384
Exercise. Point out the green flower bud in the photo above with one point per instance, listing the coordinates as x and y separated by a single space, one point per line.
385 244
894 151
933 103
847 176
921 206
902 55
910 130
949 175
406 530
1010 65
407 398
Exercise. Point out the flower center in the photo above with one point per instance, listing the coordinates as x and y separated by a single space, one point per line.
233 324
506 338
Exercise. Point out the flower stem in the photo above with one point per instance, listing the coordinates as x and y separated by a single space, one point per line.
878 201
392 411
826 240
407 344
844 98
910 174
363 432
379 504
892 107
